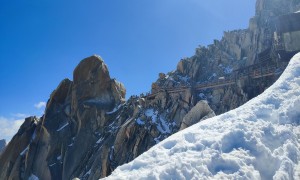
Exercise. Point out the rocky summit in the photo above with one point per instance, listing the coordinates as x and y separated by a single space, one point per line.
88 128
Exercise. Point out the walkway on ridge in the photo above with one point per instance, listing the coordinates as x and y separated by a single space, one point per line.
263 69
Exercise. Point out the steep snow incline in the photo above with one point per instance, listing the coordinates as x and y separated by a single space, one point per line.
259 140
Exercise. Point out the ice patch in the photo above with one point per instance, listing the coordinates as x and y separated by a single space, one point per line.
163 126
51 165
151 113
212 76
63 126
140 122
228 70
184 78
33 177
114 110
24 151
202 96
111 153
100 140
87 173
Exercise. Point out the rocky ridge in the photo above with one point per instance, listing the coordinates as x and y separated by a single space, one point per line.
88 128
237 49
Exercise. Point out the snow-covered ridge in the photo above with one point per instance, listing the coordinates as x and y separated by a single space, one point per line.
259 140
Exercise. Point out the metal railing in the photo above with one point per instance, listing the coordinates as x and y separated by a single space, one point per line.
255 71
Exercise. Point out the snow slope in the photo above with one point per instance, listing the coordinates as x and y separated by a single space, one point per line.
259 140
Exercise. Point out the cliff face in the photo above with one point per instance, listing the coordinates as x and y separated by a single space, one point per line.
88 129
2 145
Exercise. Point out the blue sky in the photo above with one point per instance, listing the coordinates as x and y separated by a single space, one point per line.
41 42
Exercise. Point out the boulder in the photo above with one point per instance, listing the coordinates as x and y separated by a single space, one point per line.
198 113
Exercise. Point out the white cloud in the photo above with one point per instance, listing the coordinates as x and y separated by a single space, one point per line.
40 105
9 127
20 115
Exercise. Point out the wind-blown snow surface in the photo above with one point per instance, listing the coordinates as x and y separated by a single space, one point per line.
259 140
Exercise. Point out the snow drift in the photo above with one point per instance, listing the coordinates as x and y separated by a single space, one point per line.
259 140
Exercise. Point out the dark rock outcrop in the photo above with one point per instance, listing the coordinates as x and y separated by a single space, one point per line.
2 145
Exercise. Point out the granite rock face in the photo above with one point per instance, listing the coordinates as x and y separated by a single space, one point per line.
56 145
2 145
88 129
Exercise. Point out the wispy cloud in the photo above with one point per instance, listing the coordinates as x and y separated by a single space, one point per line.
20 115
40 105
9 127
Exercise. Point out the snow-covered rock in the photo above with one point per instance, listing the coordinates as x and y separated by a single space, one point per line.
259 140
